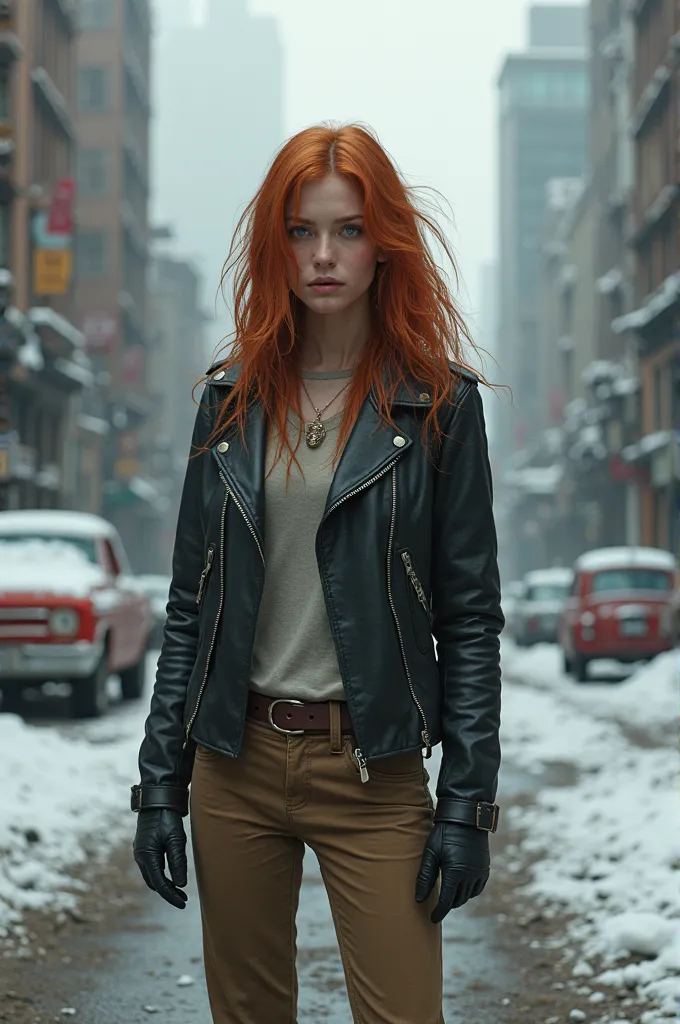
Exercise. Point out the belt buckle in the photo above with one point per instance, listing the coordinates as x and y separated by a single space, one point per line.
270 712
481 809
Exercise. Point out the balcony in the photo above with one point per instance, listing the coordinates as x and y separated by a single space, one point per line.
54 101
69 12
134 229
140 82
10 46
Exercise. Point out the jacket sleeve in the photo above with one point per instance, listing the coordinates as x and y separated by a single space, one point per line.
466 607
163 762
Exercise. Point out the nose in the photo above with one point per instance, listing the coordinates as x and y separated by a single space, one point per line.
324 256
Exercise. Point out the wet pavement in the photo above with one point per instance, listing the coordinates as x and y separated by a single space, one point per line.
147 963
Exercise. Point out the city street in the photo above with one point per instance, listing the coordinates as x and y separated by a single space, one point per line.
567 926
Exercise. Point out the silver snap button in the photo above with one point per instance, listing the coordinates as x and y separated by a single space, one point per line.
424 397
219 375
399 441
223 447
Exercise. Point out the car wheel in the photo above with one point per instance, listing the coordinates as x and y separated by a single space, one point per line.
132 680
12 701
580 668
90 698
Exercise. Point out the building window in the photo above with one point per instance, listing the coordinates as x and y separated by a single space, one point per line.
93 89
93 172
5 112
5 222
91 253
96 14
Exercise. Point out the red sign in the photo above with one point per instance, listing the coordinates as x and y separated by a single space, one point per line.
101 331
60 220
623 471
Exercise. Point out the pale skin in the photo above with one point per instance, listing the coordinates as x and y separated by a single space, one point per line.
329 242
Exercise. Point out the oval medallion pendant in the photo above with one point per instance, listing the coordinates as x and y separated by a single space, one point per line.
315 434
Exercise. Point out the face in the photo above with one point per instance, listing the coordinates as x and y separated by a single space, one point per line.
335 259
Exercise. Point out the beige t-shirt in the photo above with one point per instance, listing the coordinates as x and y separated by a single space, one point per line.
294 654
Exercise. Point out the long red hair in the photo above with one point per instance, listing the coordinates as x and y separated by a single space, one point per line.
417 326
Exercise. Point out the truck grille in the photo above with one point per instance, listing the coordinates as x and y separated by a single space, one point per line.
24 623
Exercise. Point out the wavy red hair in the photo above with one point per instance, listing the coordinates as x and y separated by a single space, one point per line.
417 326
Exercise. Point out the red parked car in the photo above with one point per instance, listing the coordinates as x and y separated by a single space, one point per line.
620 607
70 609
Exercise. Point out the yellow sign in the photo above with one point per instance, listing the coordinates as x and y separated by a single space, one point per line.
126 467
51 271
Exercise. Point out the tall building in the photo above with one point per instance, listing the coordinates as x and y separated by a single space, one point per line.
655 128
114 110
543 135
214 137
49 450
178 362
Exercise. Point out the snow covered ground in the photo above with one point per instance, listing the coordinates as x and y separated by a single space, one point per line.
606 849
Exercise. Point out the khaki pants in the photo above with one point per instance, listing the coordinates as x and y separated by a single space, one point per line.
251 818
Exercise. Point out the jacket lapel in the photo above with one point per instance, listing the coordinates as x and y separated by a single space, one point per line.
369 451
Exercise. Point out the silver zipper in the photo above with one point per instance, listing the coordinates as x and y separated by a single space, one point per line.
361 761
358 753
206 572
361 487
217 618
425 733
415 582
250 526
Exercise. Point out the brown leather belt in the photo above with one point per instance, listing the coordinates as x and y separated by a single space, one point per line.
296 716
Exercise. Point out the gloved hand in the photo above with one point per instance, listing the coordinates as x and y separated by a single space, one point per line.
461 853
160 834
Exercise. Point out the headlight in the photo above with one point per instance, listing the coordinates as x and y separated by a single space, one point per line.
64 622
588 619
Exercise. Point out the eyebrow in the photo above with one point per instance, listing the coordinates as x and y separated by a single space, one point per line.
340 220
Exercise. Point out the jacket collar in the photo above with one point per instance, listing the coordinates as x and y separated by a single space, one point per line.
370 450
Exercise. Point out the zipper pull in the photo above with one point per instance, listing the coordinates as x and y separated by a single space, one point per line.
361 761
425 736
205 574
406 559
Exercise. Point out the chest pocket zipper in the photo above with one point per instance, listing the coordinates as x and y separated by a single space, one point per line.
416 584
206 572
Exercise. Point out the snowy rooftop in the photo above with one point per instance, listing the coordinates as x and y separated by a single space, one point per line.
51 521
556 574
611 558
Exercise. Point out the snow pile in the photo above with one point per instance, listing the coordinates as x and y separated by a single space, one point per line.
47 566
646 700
58 791
608 846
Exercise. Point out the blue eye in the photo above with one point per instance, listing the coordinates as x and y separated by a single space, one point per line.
354 228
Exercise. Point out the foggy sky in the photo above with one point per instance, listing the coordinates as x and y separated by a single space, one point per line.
423 74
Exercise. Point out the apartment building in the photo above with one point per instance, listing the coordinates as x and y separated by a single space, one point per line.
50 447
655 239
113 113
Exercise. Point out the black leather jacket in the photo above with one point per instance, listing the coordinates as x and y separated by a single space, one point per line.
406 551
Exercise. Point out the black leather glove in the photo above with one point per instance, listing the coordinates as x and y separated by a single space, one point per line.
461 853
160 834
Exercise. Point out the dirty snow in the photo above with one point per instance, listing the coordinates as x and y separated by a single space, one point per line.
608 846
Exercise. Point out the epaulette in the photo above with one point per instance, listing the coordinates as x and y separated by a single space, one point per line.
217 375
464 372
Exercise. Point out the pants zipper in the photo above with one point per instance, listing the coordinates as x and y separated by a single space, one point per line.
217 618
425 732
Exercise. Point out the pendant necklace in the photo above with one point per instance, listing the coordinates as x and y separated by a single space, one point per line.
315 434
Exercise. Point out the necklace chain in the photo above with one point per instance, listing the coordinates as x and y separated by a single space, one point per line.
316 432
319 412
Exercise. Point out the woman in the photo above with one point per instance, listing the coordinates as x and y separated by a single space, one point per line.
336 515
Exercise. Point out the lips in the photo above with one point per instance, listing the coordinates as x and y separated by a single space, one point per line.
325 285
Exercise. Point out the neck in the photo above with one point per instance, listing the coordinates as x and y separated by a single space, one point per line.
335 341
